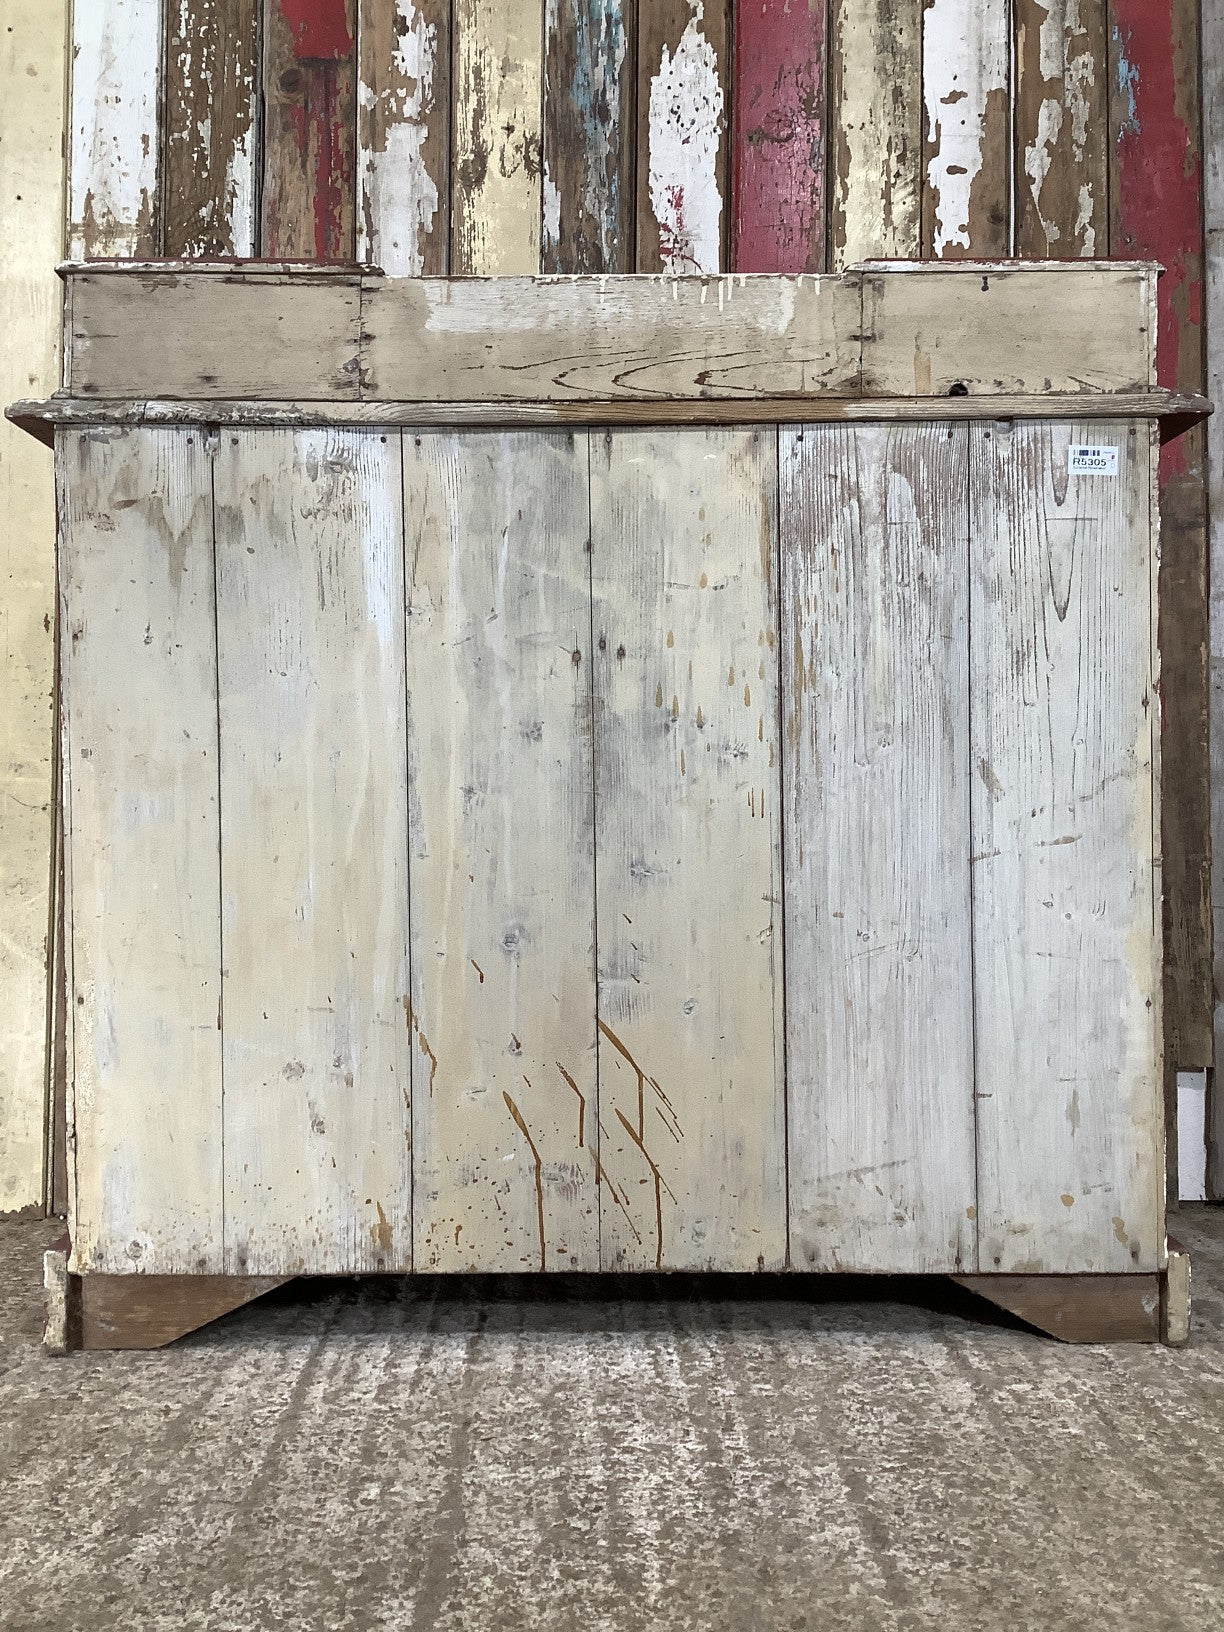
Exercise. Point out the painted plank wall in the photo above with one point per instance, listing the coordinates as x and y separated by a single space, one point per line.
33 67
1156 192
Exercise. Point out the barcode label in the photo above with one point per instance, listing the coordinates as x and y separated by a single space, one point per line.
1086 461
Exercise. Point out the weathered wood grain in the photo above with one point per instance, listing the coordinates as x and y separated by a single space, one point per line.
683 206
589 136
967 183
506 1121
403 136
781 88
1156 198
497 176
1078 1308
1009 330
1066 914
688 837
184 335
210 127
314 886
875 111
140 751
1061 125
616 339
309 130
33 59
114 140
875 648
149 1311
1213 215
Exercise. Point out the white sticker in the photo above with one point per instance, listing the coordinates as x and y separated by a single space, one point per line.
1086 461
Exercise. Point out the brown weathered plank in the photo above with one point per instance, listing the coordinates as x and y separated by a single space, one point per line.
1078 1308
505 1127
876 124
683 203
1213 212
1062 153
878 949
689 842
498 123
149 1311
403 136
589 136
210 127
966 194
309 127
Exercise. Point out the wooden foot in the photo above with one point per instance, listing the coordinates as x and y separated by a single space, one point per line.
138 1311
1079 1308
1175 1302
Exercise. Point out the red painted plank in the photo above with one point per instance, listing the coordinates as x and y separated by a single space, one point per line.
309 205
780 85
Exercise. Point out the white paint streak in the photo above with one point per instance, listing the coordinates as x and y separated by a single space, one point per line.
686 122
114 143
965 60
399 198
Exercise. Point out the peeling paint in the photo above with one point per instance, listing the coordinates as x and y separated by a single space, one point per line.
398 107
685 133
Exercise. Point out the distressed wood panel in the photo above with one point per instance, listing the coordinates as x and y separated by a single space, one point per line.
781 88
627 339
589 136
1156 195
114 140
691 1088
683 223
967 183
403 136
140 646
503 870
1061 125
314 886
211 127
876 114
498 137
1213 214
1010 330
309 128
173 335
1065 902
33 60
875 645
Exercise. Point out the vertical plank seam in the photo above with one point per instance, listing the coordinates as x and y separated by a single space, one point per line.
726 249
64 748
211 433
160 171
972 435
630 257
1013 130
542 112
446 181
597 1119
409 963
781 989
259 132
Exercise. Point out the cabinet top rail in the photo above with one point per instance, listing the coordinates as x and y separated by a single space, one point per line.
260 342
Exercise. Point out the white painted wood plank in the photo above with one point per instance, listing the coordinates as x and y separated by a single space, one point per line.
314 852
140 723
1066 908
878 948
503 872
115 139
686 124
689 848
966 62
33 51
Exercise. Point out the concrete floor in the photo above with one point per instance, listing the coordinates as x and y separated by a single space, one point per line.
388 1455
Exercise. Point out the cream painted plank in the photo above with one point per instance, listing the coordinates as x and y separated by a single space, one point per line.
875 645
503 893
499 137
876 120
624 339
689 847
114 140
1075 329
1066 905
140 723
403 136
33 53
176 334
966 64
314 853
